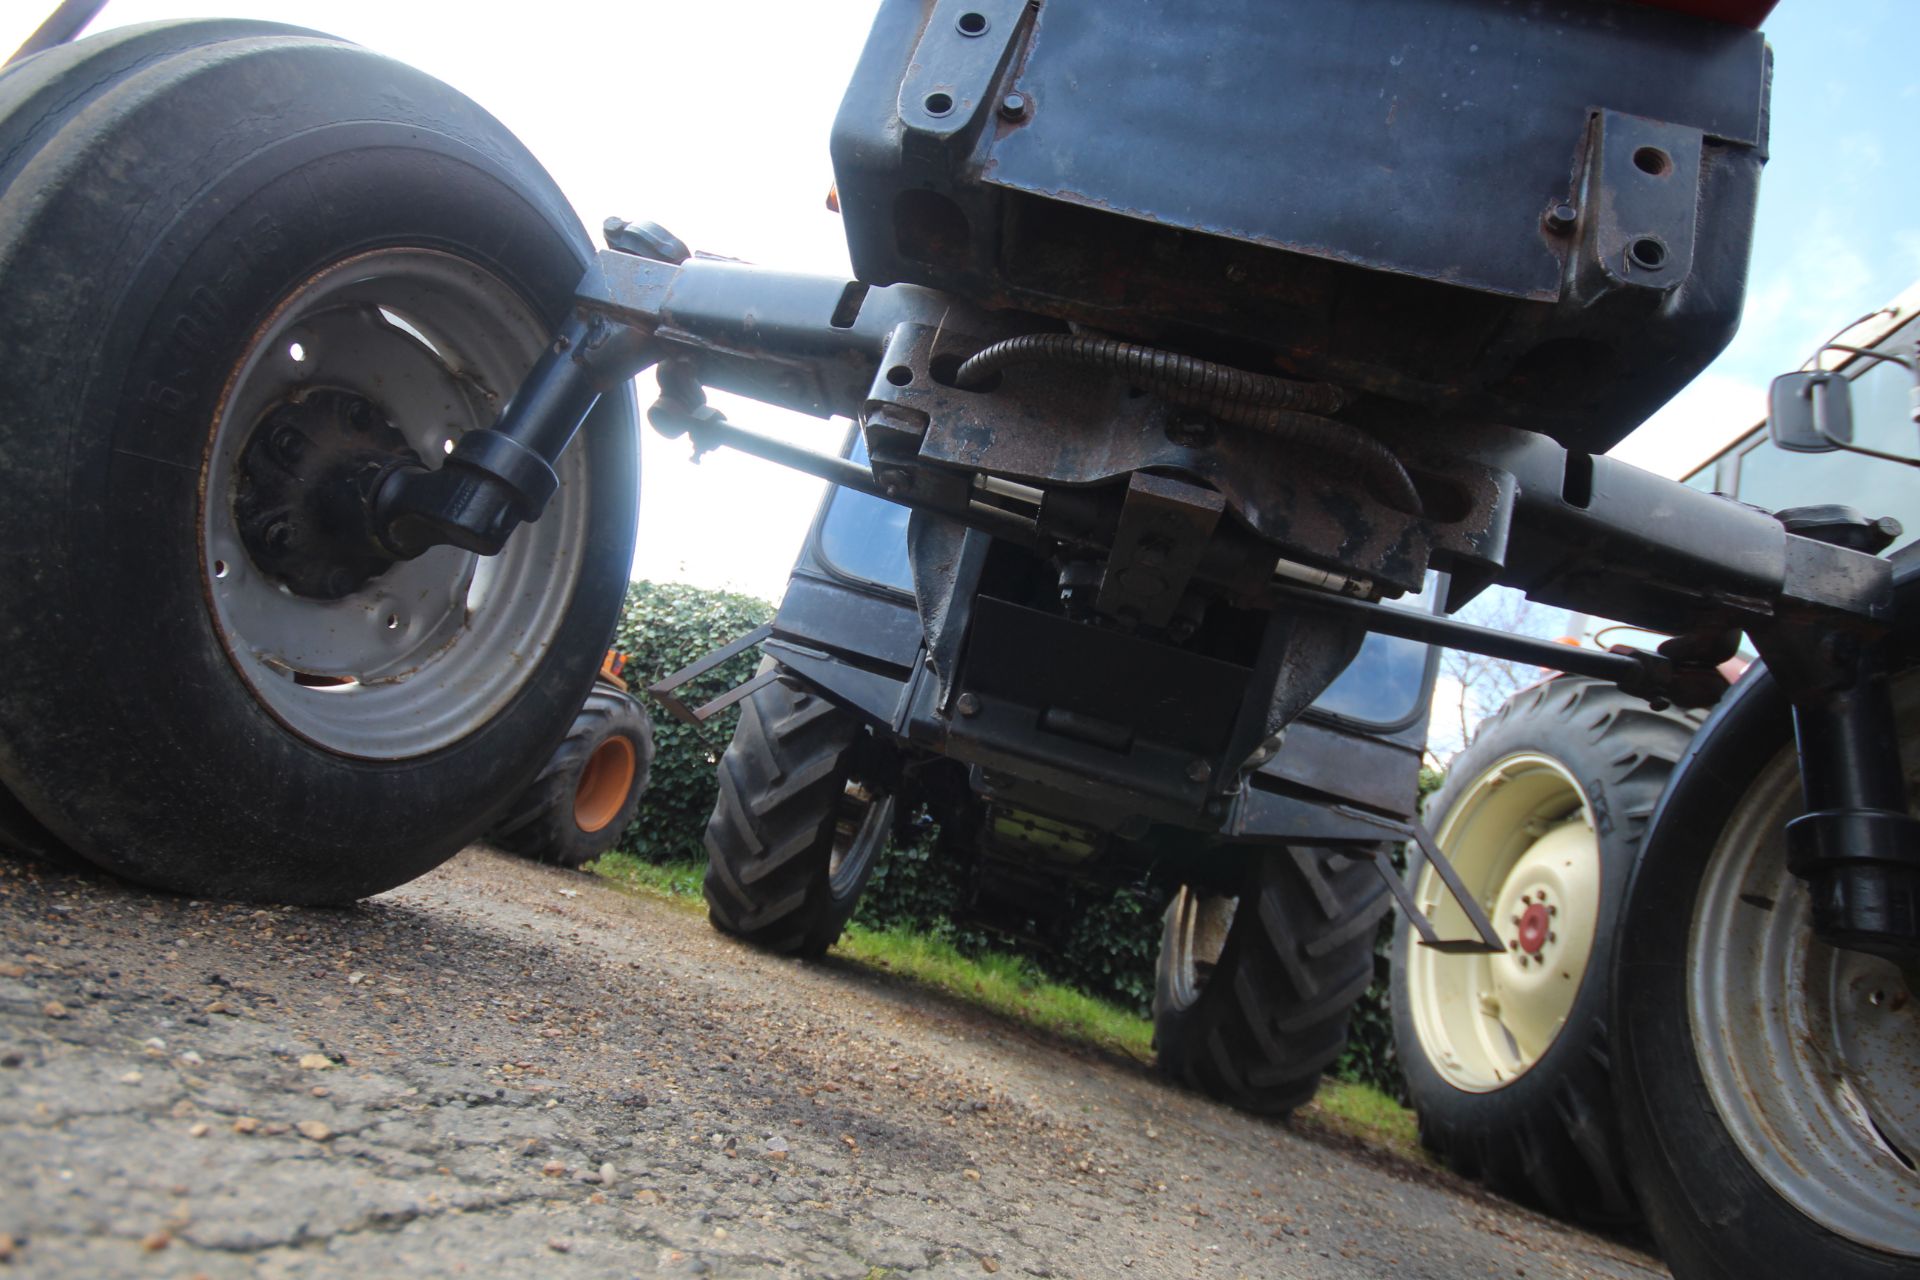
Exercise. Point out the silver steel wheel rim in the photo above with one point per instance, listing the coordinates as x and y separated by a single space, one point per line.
1816 1079
859 833
1521 836
1197 929
426 653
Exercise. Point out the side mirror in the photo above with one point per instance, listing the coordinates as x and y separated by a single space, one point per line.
1810 412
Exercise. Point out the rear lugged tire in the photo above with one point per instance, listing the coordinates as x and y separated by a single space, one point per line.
1583 765
1257 1027
796 829
586 795
183 207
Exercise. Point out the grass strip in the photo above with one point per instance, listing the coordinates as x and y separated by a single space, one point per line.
1013 988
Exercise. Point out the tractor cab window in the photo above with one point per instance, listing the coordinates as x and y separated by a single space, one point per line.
1386 683
865 537
1772 478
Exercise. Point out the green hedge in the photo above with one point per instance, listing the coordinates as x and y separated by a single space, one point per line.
663 627
1110 949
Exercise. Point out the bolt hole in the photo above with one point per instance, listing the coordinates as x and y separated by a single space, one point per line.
1647 252
938 104
308 680
393 622
972 24
1877 998
1654 161
900 375
409 328
296 353
220 571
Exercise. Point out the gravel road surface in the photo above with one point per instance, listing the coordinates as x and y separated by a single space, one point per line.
505 1070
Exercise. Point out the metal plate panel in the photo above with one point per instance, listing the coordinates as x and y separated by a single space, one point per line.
1401 135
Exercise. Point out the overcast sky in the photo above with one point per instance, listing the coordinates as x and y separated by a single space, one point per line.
712 119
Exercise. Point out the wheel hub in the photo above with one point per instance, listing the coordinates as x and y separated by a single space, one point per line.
1522 841
1533 927
365 657
300 504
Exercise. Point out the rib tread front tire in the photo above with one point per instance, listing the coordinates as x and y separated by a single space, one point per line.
163 190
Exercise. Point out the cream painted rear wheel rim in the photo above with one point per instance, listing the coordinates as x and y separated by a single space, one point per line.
1521 836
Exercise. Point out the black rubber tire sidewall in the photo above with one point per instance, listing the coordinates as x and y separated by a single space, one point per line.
22 833
1714 1216
1549 1137
123 726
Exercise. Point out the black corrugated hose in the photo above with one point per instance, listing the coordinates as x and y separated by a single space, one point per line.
1281 408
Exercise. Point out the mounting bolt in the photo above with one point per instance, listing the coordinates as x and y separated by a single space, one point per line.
1553 911
1199 771
286 442
967 704
1552 937
1013 107
1561 217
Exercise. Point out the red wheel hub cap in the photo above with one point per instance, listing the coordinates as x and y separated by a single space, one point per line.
1533 929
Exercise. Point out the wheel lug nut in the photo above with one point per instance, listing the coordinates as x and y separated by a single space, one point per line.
1553 937
1553 911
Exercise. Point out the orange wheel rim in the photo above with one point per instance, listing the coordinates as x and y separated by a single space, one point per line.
604 784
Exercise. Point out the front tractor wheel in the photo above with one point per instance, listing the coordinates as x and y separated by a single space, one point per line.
1252 990
244 267
1505 1056
1768 1083
802 818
